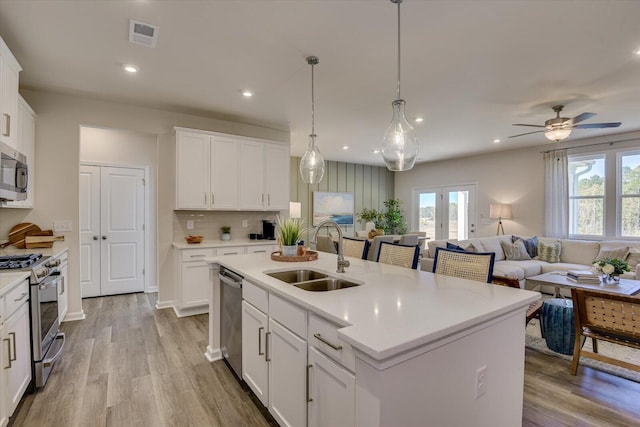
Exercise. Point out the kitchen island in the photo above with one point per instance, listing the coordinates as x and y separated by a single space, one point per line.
422 349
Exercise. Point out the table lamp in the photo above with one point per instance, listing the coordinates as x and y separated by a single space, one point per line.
295 210
499 211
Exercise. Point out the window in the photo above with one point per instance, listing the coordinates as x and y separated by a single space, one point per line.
446 212
587 195
629 194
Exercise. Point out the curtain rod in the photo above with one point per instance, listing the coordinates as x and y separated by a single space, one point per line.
593 145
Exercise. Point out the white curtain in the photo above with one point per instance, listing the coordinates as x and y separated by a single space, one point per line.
556 194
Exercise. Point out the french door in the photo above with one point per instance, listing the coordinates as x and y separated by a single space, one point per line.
111 230
446 212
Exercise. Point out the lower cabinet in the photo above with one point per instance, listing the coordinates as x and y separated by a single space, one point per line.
255 367
331 392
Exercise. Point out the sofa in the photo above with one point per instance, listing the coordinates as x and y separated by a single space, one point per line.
574 255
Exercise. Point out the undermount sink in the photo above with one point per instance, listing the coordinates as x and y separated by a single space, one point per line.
296 276
325 285
311 280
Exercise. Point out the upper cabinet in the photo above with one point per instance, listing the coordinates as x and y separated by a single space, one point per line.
9 71
226 172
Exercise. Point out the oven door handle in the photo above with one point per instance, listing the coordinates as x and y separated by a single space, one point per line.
51 280
51 360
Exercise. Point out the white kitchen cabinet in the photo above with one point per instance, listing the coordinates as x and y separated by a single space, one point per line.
9 72
63 288
193 281
192 170
261 249
252 191
255 368
15 351
331 392
25 144
224 172
231 250
277 176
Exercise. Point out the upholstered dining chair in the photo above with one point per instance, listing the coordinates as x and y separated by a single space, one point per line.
375 246
408 240
325 244
476 266
362 233
403 256
356 248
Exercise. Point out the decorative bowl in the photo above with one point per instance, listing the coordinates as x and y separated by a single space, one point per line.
194 239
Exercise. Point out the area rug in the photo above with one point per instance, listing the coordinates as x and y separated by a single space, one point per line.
534 341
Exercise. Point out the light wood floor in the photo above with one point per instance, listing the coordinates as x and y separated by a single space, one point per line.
128 364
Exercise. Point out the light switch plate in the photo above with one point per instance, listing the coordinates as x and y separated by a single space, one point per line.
62 225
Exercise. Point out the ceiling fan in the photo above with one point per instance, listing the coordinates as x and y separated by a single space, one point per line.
559 128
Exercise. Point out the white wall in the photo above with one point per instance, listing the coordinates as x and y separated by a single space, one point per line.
58 157
515 177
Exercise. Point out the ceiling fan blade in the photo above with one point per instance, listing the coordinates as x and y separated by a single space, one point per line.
528 133
597 125
581 118
522 124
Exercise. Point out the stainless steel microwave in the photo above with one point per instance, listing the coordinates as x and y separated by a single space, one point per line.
13 174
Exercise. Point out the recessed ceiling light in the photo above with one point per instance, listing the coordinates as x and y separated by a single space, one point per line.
419 119
345 147
496 141
375 151
247 93
637 52
131 68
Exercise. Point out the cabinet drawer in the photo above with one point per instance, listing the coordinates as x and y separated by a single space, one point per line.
323 335
257 249
197 254
231 250
15 298
289 315
256 296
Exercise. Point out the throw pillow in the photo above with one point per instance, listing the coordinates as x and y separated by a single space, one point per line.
515 251
531 244
633 259
611 253
468 248
549 253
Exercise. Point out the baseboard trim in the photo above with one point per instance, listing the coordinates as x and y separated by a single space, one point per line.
163 304
72 317
191 311
151 289
213 354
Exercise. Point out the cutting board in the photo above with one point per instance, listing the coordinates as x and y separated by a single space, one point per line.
19 231
41 241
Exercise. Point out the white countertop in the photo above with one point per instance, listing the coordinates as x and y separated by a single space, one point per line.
395 309
223 243
8 279
57 249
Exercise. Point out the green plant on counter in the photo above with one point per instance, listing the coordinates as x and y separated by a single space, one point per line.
394 222
371 215
225 229
289 230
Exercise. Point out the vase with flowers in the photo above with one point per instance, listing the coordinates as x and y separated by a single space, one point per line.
289 232
611 269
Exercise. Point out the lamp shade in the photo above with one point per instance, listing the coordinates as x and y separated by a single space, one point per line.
499 210
295 210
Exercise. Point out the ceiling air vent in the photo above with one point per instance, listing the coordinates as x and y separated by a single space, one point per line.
144 34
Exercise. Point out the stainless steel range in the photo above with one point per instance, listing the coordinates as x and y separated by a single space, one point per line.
47 341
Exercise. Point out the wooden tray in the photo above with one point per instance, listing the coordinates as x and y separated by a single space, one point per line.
308 256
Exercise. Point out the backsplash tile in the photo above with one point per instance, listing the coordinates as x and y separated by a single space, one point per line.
208 224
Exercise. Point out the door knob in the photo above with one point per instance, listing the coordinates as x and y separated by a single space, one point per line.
104 237
95 237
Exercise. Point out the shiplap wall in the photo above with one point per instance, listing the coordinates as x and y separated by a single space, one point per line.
370 185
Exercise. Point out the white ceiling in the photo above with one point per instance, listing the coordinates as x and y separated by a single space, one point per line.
471 68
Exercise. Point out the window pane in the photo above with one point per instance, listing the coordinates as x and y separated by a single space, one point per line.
586 176
630 226
630 175
458 215
427 214
587 216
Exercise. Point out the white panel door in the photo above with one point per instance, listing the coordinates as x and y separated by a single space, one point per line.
252 175
277 177
224 172
89 231
446 212
333 393
122 230
192 171
255 369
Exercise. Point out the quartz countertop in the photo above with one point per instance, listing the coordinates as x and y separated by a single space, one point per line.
57 249
395 309
223 243
8 279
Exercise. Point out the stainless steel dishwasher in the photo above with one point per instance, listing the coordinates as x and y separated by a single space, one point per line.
231 319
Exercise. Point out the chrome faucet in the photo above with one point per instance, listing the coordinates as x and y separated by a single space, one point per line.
342 263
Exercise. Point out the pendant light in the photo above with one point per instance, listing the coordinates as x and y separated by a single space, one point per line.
312 162
400 146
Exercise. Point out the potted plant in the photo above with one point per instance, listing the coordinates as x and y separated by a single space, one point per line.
289 232
394 222
226 232
371 217
611 269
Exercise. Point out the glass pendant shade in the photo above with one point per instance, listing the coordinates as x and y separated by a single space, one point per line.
312 163
400 145
557 134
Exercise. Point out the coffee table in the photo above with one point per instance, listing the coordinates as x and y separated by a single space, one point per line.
559 280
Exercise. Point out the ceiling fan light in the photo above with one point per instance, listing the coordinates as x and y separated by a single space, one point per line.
557 134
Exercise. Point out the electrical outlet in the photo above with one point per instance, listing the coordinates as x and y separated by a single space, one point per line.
245 223
190 225
62 225
481 381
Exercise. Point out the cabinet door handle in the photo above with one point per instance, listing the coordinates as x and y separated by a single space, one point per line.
7 122
309 399
62 283
333 346
260 252
260 352
230 253
197 256
22 296
262 198
205 197
266 347
213 199
8 352
269 199
13 337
